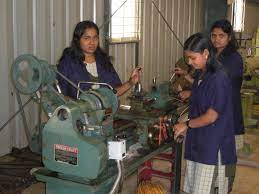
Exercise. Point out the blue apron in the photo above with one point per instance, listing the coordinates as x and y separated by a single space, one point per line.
202 144
78 72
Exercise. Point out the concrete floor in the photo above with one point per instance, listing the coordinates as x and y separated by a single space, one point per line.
247 177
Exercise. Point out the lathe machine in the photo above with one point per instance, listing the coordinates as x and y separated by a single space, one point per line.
90 145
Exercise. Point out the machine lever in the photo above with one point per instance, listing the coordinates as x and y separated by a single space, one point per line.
93 83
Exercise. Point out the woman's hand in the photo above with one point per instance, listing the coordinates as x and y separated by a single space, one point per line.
187 76
135 76
180 130
185 94
180 71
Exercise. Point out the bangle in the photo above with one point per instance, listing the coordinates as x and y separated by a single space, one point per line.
188 124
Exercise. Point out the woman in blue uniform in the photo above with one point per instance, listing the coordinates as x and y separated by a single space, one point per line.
223 39
209 144
85 61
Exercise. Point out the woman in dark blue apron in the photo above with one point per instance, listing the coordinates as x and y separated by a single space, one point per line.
84 60
223 39
209 143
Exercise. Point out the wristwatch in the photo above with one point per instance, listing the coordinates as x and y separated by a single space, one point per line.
187 124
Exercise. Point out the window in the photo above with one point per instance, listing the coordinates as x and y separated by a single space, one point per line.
238 15
125 23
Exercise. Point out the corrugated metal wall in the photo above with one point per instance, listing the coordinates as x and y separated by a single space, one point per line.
158 49
5 50
44 28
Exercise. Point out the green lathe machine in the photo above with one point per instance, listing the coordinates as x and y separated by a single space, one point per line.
90 145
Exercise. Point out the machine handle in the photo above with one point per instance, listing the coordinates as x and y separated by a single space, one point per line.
94 83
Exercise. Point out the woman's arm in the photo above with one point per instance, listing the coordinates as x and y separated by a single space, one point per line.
205 119
184 95
189 78
134 78
218 95
124 87
63 68
180 71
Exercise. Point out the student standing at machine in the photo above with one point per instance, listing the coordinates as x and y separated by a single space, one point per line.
225 43
210 143
223 39
84 60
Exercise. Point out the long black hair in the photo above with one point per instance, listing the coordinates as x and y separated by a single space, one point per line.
198 43
227 28
75 51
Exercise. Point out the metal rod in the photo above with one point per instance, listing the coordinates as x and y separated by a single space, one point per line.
160 13
185 109
28 135
93 83
176 98
177 168
16 113
171 78
106 26
136 54
69 81
57 93
39 117
109 19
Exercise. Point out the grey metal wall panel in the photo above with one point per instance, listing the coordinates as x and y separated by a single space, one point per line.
22 43
166 39
72 17
145 54
99 12
43 28
23 20
59 28
251 19
159 49
6 45
162 49
87 9
123 58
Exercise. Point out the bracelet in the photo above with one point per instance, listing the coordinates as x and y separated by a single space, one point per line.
187 124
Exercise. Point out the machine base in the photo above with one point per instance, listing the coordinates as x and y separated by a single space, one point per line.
56 185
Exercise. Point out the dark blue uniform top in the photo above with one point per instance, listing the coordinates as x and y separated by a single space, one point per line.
233 64
78 72
202 144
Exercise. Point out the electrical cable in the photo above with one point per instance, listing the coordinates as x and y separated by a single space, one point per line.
117 181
